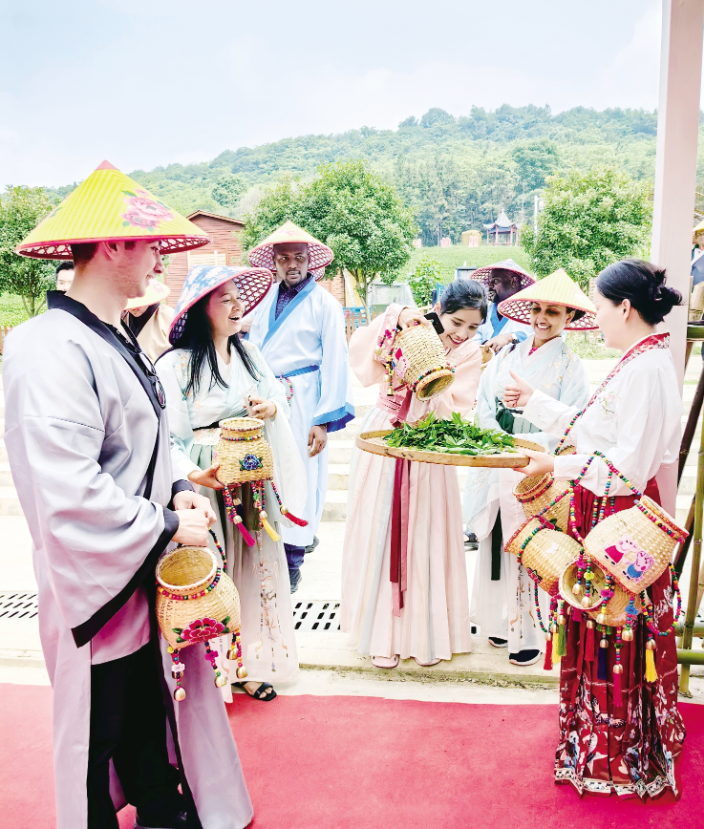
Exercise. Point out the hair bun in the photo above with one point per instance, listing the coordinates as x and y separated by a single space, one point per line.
669 296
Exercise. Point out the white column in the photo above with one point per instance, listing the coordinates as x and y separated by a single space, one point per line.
675 170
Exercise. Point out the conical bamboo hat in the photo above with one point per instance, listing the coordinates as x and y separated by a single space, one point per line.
252 284
110 206
557 289
319 255
156 292
483 275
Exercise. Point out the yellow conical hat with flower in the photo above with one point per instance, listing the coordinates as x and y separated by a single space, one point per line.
556 289
319 255
110 206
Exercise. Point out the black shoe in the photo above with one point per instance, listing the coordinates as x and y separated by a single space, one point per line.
295 578
179 821
497 642
524 658
311 547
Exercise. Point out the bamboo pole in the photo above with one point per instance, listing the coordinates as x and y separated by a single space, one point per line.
691 426
687 658
692 606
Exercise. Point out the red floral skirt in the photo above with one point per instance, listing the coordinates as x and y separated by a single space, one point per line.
629 745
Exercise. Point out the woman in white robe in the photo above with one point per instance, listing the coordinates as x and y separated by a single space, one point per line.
503 595
429 621
242 385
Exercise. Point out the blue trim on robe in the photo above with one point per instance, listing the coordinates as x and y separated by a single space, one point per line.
274 323
336 420
498 324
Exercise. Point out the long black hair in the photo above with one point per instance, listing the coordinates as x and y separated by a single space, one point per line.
643 284
464 293
197 338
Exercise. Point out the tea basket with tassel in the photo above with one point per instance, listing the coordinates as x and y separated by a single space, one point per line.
541 491
245 460
619 559
416 357
197 601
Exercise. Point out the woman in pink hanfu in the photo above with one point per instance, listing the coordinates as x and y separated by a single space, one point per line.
404 581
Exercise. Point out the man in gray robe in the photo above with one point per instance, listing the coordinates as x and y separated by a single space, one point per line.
89 448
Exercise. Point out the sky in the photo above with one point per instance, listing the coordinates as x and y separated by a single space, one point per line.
145 83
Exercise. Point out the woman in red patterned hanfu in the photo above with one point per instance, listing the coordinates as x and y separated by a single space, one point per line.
609 741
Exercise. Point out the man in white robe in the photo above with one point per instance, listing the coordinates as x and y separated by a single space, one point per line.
89 447
300 329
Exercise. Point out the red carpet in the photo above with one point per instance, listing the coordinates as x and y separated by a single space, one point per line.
367 763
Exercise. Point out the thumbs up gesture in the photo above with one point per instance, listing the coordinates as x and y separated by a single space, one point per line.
517 396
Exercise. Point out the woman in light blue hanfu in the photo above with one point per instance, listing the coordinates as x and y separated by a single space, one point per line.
503 601
209 375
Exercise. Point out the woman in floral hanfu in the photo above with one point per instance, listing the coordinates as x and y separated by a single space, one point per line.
503 595
211 374
623 740
410 602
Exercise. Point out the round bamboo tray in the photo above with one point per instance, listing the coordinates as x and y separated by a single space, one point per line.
374 442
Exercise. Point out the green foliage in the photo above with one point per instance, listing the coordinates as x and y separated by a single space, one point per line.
228 190
436 116
589 221
352 210
21 210
456 436
12 310
535 161
458 255
280 204
473 162
423 280
590 346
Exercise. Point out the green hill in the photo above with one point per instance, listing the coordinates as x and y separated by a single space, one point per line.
456 173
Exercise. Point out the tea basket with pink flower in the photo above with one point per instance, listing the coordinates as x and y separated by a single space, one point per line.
197 602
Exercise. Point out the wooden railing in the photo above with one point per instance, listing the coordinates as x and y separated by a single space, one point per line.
355 317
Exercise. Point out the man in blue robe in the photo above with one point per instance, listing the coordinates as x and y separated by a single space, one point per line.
300 329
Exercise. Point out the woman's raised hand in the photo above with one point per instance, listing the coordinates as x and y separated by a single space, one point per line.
412 316
517 397
206 477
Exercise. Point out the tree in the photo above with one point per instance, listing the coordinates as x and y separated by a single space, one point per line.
281 204
228 190
436 116
351 209
21 210
535 161
423 280
589 221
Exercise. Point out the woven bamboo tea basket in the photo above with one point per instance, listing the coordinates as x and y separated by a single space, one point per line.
546 553
428 373
198 601
614 609
243 452
635 545
536 493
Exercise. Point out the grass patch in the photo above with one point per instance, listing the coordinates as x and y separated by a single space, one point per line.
590 346
457 255
12 311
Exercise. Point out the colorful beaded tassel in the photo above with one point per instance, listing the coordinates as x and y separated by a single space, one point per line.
285 511
232 501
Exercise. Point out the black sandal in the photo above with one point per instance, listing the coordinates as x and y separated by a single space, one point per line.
261 693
